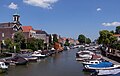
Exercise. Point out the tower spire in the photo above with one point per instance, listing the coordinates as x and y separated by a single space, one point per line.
16 16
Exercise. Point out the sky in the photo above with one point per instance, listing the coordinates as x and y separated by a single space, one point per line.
68 18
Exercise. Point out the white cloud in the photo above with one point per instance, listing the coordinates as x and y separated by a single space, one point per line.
98 9
41 3
111 24
13 6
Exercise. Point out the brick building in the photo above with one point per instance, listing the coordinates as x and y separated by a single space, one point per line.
7 29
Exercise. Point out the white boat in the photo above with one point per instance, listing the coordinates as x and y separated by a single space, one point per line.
38 54
106 72
83 55
30 58
53 49
3 67
92 49
85 52
89 62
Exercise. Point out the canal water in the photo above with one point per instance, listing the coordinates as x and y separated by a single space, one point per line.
61 64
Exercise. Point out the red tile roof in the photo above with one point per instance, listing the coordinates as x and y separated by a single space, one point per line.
27 28
116 35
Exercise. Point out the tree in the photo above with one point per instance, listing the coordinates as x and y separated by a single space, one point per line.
40 43
106 38
81 39
23 44
50 41
32 44
9 44
88 41
2 46
67 43
117 31
18 39
35 44
55 39
112 32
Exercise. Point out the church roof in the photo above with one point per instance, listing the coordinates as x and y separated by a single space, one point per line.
27 28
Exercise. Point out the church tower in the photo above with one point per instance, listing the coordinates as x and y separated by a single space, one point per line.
16 22
16 17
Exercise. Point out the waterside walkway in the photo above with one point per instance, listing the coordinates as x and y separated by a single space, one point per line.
113 61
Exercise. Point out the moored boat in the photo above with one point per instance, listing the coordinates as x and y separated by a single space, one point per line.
16 60
96 56
110 72
102 66
38 55
30 58
52 50
89 62
3 67
84 55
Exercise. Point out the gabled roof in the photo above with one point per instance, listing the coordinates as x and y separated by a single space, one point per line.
27 28
41 32
38 31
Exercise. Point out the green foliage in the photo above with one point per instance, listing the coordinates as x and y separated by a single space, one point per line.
20 43
35 44
116 46
67 43
40 43
50 39
18 40
81 39
112 32
32 44
55 38
117 31
23 44
106 38
17 48
9 44
30 50
88 41
19 37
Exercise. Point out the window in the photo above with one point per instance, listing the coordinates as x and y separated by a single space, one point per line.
3 35
2 64
96 62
